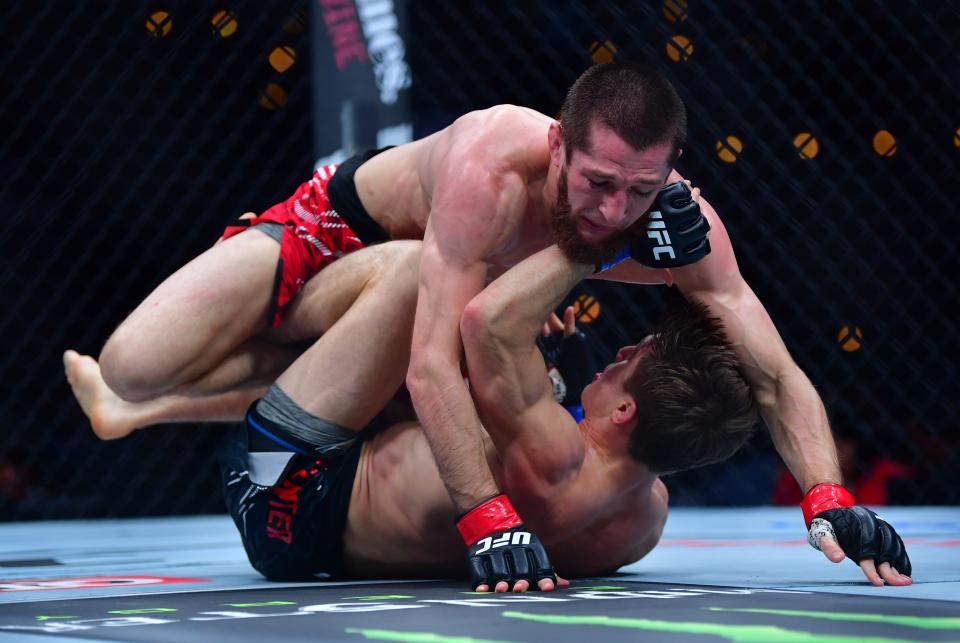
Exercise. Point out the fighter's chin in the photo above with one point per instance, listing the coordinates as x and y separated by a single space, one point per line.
583 250
592 233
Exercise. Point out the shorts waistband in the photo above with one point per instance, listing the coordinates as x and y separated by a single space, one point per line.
342 192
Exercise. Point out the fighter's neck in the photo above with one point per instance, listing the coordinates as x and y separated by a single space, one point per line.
609 444
543 189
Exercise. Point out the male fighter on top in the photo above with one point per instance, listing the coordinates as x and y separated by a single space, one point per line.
487 191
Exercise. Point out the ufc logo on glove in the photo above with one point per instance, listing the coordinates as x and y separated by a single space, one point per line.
657 231
509 538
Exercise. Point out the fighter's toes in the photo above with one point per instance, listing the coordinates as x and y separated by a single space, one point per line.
110 417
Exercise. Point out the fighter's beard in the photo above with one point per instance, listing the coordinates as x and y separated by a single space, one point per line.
568 238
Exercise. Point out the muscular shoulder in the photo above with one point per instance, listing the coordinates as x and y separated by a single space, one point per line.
480 169
716 273
500 140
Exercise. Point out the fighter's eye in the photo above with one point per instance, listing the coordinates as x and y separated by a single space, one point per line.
596 184
640 193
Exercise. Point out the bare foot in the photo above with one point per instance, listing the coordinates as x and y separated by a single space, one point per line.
110 417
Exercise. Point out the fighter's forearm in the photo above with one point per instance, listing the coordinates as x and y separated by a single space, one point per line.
450 423
800 430
518 302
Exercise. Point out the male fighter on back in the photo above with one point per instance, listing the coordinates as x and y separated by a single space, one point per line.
494 187
311 499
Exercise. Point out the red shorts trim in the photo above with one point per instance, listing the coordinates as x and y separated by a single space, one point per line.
314 236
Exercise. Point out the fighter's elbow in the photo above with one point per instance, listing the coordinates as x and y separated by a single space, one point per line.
473 322
766 393
426 373
480 322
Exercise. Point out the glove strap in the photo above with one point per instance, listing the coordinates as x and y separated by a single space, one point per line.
827 495
495 514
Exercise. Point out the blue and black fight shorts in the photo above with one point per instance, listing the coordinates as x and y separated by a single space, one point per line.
290 509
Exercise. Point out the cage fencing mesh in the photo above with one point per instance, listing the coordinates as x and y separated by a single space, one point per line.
826 135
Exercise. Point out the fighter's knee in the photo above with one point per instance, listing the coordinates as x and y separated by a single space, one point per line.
409 261
399 254
398 263
123 369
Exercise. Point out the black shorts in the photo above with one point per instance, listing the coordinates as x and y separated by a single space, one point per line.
292 530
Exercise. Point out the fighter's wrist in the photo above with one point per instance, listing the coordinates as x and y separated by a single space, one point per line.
491 515
824 496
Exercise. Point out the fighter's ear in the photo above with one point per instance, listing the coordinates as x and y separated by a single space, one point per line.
555 141
625 411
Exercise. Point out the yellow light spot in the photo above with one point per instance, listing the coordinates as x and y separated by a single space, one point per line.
586 308
807 145
282 58
679 48
675 10
224 24
729 148
850 340
273 97
884 143
602 52
956 139
159 24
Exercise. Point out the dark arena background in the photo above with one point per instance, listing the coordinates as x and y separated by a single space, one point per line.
826 134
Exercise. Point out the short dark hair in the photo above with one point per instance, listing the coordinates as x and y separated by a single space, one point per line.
694 406
638 103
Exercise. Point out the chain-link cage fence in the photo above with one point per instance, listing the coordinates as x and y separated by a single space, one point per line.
826 135
131 134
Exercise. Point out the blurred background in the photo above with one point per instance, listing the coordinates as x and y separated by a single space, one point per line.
826 135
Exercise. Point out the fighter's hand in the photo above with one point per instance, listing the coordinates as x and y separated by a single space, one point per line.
673 233
568 326
502 554
841 530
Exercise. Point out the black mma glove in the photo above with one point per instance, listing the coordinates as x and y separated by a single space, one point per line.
500 547
829 510
569 364
673 233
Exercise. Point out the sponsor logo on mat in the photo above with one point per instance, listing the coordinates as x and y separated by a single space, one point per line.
91 582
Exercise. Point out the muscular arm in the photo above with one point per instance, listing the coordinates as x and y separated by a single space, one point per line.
787 400
472 212
536 437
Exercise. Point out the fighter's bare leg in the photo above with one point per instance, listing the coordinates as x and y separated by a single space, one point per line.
222 395
363 307
381 277
193 320
112 417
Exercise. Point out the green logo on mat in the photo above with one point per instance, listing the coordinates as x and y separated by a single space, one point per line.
924 622
735 633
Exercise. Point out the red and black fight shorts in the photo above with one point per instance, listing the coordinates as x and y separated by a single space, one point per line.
314 236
